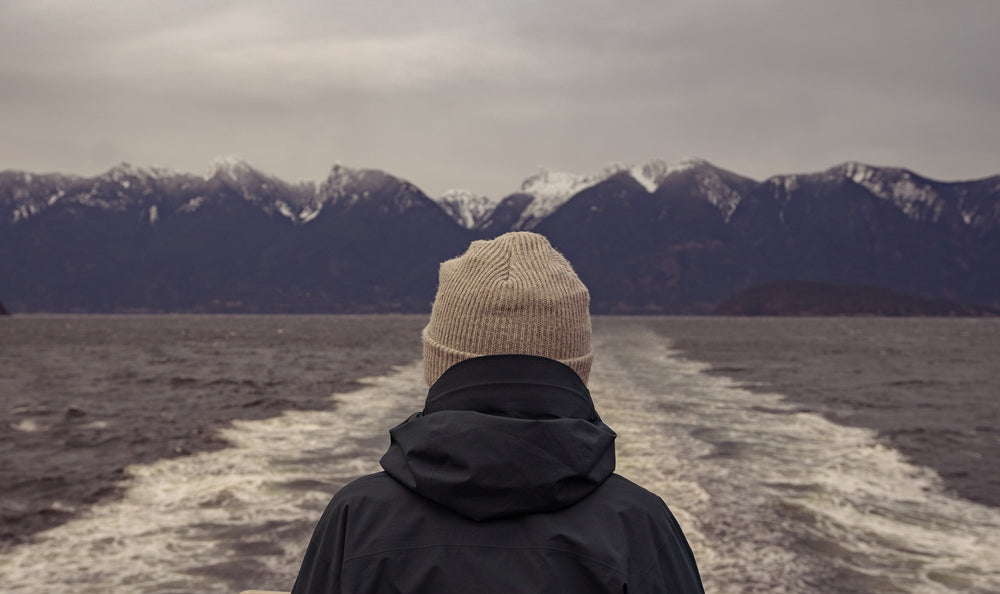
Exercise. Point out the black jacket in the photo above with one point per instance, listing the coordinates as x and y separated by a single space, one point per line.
504 483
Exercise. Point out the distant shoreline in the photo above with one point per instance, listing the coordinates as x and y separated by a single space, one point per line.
818 299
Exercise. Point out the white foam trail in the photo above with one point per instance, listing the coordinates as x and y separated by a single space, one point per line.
26 425
772 500
189 524
775 500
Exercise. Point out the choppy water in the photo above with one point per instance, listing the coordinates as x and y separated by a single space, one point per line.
779 500
773 498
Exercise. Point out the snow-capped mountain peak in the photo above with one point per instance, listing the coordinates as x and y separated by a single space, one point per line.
652 173
340 179
912 194
123 171
297 202
229 167
721 188
553 185
126 187
551 189
348 186
467 208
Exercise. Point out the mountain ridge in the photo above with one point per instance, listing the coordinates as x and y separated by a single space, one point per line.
549 189
364 240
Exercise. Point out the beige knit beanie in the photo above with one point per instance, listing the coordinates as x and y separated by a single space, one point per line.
513 295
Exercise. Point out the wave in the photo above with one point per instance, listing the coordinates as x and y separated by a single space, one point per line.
226 520
772 498
779 500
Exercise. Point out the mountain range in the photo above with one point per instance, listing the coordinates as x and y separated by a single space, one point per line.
658 238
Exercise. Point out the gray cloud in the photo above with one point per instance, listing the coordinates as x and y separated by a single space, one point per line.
477 94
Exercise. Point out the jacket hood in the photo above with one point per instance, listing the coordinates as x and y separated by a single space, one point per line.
503 435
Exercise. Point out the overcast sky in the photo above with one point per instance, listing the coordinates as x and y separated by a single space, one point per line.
478 94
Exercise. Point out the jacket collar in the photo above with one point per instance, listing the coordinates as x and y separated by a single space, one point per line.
519 386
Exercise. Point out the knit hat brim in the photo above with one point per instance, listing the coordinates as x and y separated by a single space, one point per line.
513 295
438 358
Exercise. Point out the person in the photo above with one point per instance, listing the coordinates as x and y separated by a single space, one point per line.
505 481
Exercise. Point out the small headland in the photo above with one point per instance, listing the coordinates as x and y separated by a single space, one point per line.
809 298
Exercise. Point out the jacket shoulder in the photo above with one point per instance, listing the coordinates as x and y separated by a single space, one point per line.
633 494
370 488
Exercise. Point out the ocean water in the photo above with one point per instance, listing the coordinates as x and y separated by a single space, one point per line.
929 387
780 486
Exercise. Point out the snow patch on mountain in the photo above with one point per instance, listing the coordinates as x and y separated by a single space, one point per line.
652 173
722 189
721 195
128 178
549 186
285 210
645 178
977 204
551 189
467 208
914 196
230 167
192 204
790 182
124 170
23 211
348 187
295 202
310 213
341 185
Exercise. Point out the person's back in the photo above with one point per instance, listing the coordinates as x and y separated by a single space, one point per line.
504 482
